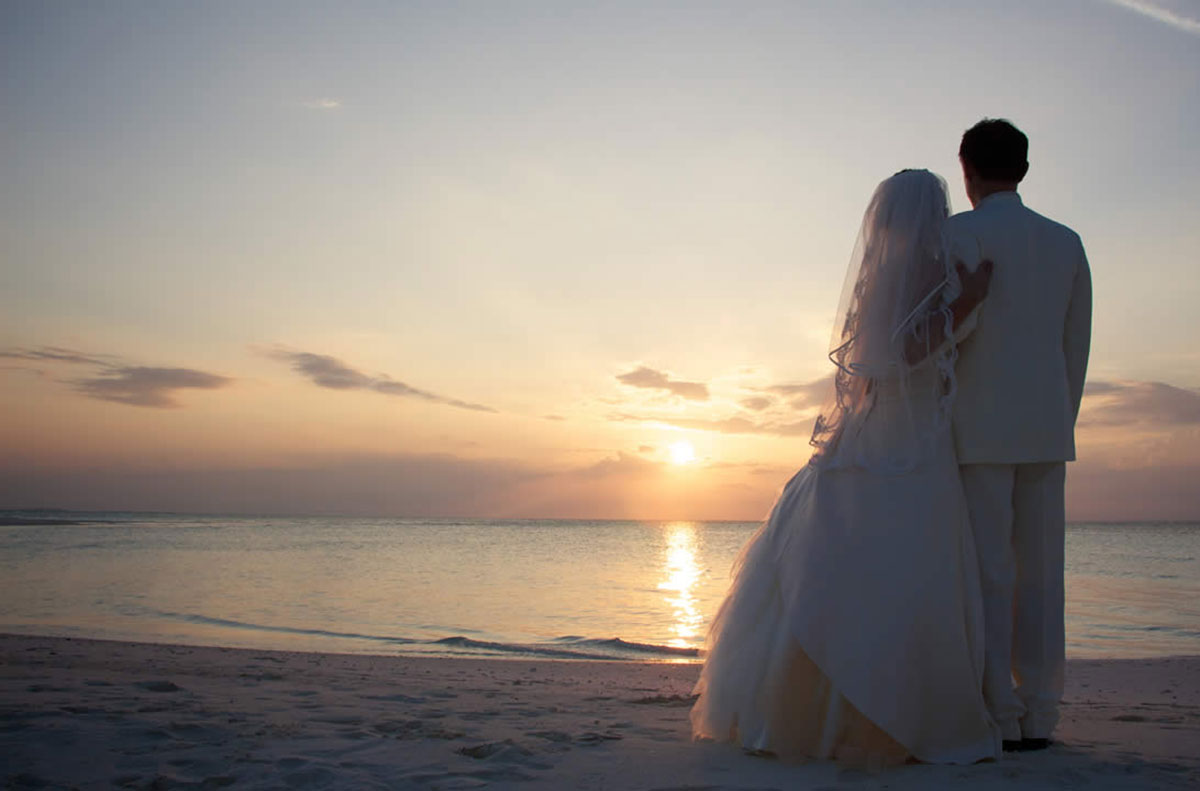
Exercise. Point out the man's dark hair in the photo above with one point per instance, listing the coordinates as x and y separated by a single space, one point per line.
996 149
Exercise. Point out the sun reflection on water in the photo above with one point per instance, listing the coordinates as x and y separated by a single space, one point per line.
682 573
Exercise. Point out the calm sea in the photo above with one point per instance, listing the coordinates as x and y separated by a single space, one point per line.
555 589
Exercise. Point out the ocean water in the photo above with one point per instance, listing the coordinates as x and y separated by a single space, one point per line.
552 589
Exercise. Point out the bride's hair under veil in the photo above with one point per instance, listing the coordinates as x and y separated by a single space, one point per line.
898 283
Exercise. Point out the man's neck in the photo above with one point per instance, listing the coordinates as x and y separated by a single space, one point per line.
986 188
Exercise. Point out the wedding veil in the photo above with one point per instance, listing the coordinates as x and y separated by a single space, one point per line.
893 389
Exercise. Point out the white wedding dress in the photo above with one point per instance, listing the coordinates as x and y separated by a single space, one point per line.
853 629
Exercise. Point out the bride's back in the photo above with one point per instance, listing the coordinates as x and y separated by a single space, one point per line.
888 407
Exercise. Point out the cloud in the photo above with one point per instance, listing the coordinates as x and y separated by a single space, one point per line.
149 387
322 103
330 372
651 379
730 425
1099 492
1106 404
368 485
757 403
325 371
614 486
58 354
1097 388
806 395
1138 404
1161 13
621 464
135 385
411 485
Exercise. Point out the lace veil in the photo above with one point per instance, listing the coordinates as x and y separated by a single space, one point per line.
893 389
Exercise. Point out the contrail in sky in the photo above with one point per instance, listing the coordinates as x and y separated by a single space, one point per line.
1164 15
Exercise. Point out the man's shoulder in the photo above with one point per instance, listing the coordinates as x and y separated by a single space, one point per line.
965 222
962 218
998 216
1056 227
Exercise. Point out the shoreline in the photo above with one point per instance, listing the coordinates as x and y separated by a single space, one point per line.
77 712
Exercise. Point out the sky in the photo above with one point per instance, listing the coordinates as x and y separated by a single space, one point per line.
543 259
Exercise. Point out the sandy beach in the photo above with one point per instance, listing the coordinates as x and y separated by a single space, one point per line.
99 714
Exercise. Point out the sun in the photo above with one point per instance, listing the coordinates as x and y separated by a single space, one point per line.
682 452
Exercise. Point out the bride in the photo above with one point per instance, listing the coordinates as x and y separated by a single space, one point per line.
853 628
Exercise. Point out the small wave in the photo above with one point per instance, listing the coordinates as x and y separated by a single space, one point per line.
258 627
625 646
568 647
532 650
575 647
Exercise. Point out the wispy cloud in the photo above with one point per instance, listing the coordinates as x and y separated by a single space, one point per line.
805 395
325 371
322 103
651 379
117 381
1161 12
1107 404
59 355
620 464
736 424
145 386
330 372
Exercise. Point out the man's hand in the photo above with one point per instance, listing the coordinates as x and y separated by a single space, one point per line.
974 284
974 289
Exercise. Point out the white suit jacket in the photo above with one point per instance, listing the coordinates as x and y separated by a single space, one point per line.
1023 355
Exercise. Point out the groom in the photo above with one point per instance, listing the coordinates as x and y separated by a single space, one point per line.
1020 381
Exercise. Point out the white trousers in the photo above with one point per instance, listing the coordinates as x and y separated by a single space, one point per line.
1017 518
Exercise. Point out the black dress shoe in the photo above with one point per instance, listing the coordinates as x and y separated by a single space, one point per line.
1011 745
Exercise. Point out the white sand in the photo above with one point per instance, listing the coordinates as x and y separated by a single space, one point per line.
95 714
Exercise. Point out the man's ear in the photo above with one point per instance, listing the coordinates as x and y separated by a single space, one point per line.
969 171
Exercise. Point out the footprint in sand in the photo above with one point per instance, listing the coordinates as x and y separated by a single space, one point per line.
351 719
312 777
666 700
507 751
506 748
414 729
551 736
397 698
